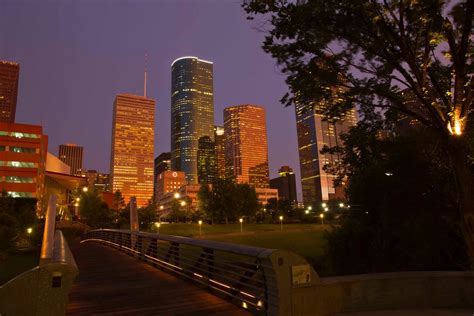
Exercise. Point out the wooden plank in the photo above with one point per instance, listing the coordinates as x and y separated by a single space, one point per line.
111 282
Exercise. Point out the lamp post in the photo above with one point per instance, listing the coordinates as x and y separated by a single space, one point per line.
200 224
241 220
29 230
322 218
85 189
281 222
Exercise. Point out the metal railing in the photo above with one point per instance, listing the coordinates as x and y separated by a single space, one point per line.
241 274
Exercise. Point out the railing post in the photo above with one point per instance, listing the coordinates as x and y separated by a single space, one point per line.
49 228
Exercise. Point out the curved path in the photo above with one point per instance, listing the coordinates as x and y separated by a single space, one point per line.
112 282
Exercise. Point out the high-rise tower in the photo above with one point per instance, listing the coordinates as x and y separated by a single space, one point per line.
246 150
192 113
219 139
71 154
9 75
132 152
315 132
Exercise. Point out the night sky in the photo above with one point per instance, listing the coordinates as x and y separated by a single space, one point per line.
75 56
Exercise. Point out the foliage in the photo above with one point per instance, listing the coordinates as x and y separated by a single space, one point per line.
16 215
94 211
227 201
282 207
118 201
147 216
413 58
403 216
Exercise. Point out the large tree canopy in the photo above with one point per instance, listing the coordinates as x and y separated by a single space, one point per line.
413 57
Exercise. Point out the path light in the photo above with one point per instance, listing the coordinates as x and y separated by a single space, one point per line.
341 205
161 207
29 230
310 207
157 225
326 209
85 189
324 205
241 220
78 199
200 224
322 218
306 212
183 203
281 222
176 195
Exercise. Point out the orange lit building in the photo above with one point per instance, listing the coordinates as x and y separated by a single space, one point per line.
246 151
23 150
169 181
9 75
132 152
71 154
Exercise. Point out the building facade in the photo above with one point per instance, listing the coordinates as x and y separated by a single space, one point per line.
23 152
206 158
98 181
246 151
285 184
219 139
9 76
132 152
192 112
314 132
162 163
71 154
169 181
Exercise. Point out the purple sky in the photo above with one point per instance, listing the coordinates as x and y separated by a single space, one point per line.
75 56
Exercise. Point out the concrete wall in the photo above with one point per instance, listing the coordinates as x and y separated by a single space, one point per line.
44 289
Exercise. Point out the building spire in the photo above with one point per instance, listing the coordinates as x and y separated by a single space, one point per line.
144 87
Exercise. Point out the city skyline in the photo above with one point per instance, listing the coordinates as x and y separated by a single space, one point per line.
117 69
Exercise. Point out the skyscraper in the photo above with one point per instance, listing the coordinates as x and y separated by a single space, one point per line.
71 154
219 139
9 75
162 163
192 112
314 132
285 183
206 160
132 152
246 151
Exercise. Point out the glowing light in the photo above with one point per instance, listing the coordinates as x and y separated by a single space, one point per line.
29 230
183 203
306 212
321 215
176 195
161 207
77 204
85 189
281 218
341 204
323 204
241 220
259 303
310 208
78 199
326 209
244 305
157 225
200 222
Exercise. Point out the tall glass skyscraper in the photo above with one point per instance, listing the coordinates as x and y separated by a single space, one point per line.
246 151
131 159
192 113
314 132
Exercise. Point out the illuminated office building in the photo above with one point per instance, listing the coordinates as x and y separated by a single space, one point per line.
314 132
9 75
132 152
192 112
71 154
23 151
285 184
246 151
219 139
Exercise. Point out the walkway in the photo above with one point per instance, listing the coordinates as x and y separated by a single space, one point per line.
112 282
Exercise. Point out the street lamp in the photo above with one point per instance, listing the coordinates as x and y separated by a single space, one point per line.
306 212
281 222
78 199
324 204
176 195
161 207
241 220
322 218
183 203
326 209
29 230
310 208
85 189
200 224
341 205
158 226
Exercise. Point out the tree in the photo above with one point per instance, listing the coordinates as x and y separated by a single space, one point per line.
384 55
118 201
94 211
246 201
147 216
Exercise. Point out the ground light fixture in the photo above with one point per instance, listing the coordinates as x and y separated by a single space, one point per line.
281 222
176 195
241 220
29 230
183 203
85 189
322 218
200 224
157 225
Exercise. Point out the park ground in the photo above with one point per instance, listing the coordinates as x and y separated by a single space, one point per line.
305 240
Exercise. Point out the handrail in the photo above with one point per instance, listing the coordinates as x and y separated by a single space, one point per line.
257 279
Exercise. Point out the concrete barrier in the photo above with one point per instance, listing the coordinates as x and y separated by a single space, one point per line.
44 289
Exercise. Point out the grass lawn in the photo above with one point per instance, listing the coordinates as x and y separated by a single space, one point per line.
303 239
17 263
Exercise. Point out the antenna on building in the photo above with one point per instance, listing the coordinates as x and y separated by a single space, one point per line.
144 88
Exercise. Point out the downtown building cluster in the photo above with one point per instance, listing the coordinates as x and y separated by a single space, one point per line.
200 152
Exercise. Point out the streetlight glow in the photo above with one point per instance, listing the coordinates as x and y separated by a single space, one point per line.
341 204
176 195
323 204
306 212
200 224
85 189
78 199
29 230
310 207
161 207
281 222
322 218
183 203
326 209
241 220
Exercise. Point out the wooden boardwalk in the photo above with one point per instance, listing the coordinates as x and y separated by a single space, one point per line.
111 282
